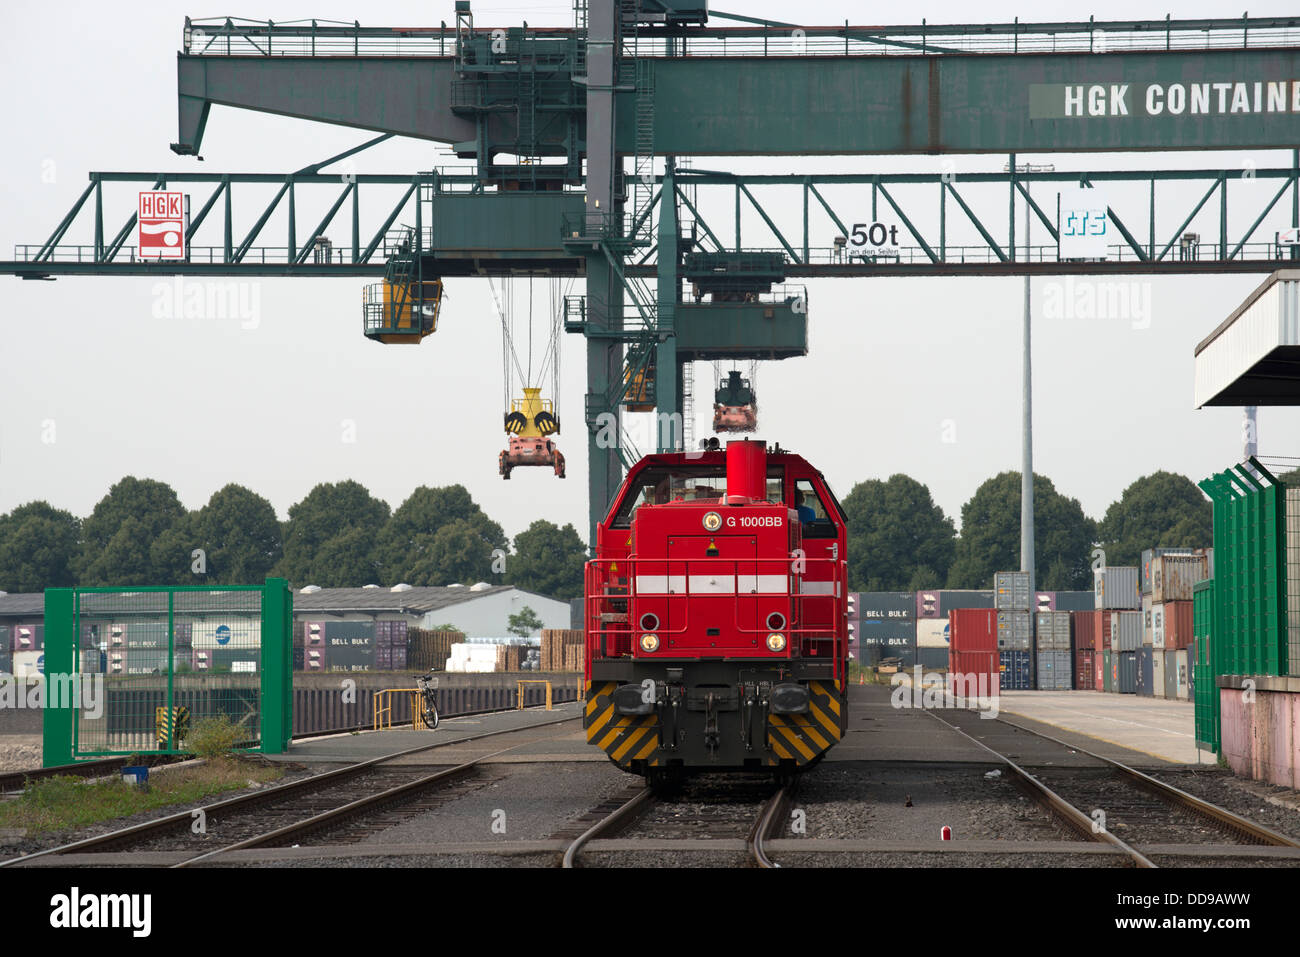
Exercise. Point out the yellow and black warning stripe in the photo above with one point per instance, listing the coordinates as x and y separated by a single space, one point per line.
801 737
624 737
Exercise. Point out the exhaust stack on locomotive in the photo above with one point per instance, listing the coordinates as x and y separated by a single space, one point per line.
716 615
746 472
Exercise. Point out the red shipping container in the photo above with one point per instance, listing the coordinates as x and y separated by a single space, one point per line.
1098 671
1178 624
1085 675
1084 624
974 629
1100 629
974 674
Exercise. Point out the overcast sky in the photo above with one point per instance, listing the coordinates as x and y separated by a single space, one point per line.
920 376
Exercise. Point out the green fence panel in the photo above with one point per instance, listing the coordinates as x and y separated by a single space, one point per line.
1205 689
1243 622
150 663
60 715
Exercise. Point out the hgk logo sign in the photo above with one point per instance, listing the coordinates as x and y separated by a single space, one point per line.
162 220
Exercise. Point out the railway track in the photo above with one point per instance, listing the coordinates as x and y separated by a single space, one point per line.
11 781
291 812
700 819
1097 802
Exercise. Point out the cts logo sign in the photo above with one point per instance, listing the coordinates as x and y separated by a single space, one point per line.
163 218
223 634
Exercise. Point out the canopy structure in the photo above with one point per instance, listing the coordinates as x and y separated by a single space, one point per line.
1253 357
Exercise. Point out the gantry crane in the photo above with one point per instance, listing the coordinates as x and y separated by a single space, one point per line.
577 135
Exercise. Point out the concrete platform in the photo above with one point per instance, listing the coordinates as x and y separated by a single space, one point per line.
1140 732
880 732
1152 726
568 742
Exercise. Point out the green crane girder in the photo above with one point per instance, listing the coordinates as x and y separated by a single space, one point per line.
918 201
770 92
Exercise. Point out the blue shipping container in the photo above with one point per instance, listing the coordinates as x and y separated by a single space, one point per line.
1146 672
1017 670
879 640
1128 672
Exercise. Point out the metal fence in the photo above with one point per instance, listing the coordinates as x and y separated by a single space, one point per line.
1243 629
135 670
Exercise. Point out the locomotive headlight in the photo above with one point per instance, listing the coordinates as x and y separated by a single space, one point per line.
776 642
712 522
649 642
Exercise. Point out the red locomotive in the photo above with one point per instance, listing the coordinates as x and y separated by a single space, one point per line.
716 615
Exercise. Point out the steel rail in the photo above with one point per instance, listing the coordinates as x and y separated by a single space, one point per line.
354 809
17 780
1067 812
628 811
1178 797
770 813
307 784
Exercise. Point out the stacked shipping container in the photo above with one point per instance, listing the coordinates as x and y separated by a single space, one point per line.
1116 590
1055 662
1015 629
1138 643
1091 638
1168 579
375 645
885 627
974 646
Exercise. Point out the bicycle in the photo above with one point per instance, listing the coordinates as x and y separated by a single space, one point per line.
428 699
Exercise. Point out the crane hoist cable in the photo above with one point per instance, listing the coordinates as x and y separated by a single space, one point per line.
530 359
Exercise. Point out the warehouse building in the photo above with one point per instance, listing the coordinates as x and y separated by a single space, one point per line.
480 610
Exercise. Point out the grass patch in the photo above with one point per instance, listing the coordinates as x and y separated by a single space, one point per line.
66 802
213 737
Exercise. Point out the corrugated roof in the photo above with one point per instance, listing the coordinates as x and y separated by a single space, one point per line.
419 599
22 603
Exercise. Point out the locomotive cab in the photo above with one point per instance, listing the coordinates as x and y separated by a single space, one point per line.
716 615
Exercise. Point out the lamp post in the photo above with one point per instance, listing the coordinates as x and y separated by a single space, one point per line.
1027 425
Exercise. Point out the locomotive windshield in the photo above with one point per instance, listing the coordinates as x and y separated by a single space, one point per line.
681 483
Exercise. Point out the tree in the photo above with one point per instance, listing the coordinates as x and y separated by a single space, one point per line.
899 539
329 539
346 560
523 622
172 553
1161 510
240 536
460 551
990 536
1291 478
118 537
438 536
126 559
38 548
548 560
